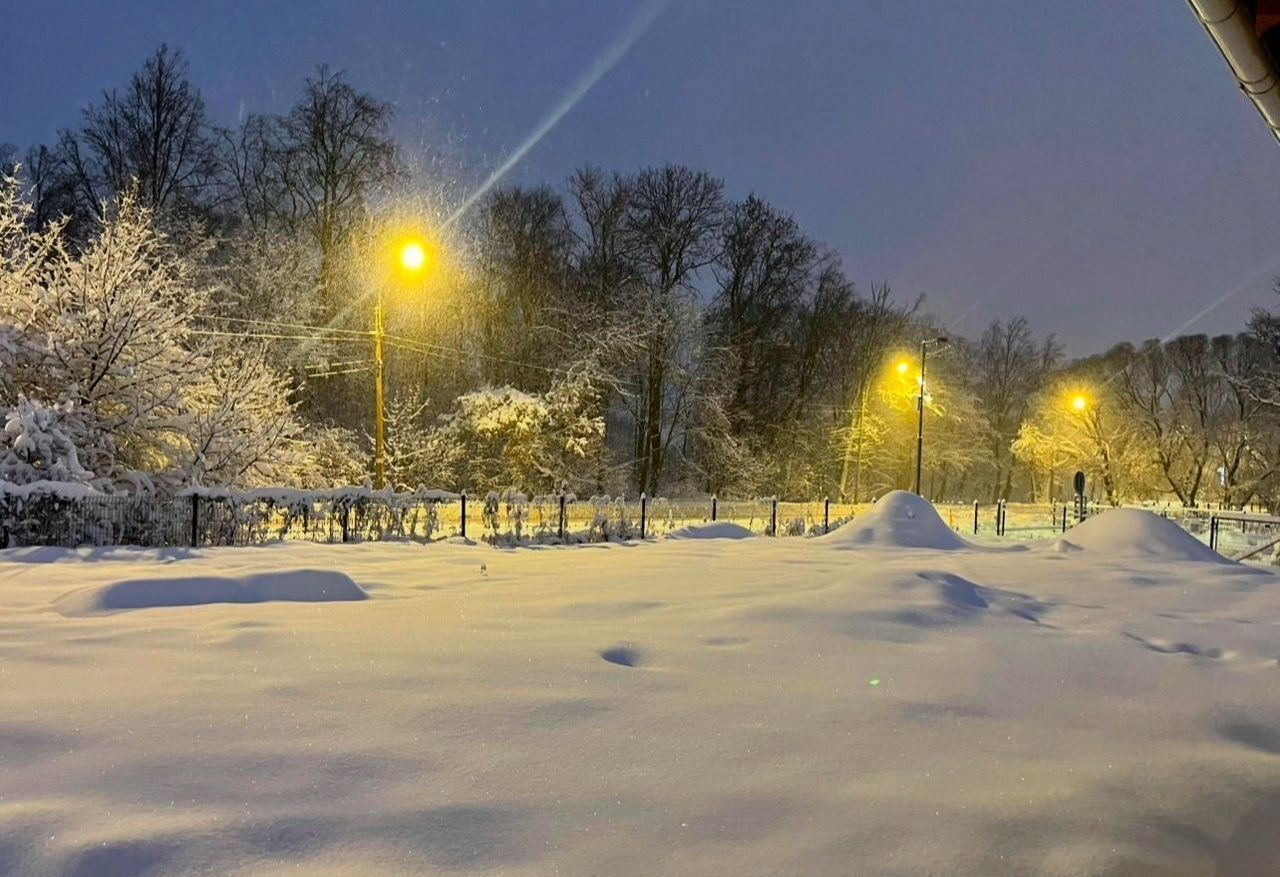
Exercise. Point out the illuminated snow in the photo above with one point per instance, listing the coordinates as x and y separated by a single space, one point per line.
683 707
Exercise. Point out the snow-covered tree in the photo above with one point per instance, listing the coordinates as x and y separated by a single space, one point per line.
110 331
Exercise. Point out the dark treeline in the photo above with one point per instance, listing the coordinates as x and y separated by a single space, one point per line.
618 332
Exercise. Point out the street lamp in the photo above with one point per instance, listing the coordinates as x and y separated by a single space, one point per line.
924 351
412 258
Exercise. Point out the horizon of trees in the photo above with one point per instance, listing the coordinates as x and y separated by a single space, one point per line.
182 302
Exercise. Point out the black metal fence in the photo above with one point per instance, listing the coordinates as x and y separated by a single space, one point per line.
221 518
359 515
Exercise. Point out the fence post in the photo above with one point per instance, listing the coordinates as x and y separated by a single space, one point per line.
562 516
975 517
644 510
1064 517
714 506
826 514
346 522
195 520
773 518
1213 532
464 514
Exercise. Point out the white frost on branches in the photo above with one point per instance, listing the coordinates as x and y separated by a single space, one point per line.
37 445
109 333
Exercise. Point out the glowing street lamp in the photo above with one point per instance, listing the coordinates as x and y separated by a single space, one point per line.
924 351
1079 403
411 256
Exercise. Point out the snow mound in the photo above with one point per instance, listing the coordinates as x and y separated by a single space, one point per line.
899 520
294 586
1140 533
712 530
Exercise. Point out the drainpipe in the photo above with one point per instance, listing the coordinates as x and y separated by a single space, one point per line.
1230 24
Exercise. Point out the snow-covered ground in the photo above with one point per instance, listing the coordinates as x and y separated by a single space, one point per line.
1104 705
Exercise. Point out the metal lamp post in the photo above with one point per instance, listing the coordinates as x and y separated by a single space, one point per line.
924 350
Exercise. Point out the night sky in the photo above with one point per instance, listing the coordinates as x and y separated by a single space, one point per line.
1090 164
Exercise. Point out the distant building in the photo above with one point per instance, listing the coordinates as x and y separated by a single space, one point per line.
1247 32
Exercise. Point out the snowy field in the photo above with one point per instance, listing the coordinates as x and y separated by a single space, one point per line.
886 700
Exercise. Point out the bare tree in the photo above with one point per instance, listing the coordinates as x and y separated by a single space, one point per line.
155 136
764 271
334 151
672 217
525 257
1008 368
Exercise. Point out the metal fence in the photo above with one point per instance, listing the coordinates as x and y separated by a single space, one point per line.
511 519
251 519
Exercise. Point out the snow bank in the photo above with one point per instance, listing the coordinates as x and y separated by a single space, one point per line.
900 519
1136 532
62 489
712 530
294 586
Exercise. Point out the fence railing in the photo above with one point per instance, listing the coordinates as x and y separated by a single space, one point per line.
360 515
224 518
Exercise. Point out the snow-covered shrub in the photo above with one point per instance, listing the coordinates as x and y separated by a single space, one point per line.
38 444
497 438
114 327
611 520
331 457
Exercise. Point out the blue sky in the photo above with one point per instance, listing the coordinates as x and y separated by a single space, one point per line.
1089 165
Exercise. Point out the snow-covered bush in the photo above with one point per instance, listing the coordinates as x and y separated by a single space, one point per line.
111 329
38 443
498 438
612 520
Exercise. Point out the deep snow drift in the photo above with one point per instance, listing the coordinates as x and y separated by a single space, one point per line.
685 707
899 519
297 586
712 530
1136 532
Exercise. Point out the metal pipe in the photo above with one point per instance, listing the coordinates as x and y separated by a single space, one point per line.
1231 26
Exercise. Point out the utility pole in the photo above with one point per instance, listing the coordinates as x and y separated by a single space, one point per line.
379 417
412 257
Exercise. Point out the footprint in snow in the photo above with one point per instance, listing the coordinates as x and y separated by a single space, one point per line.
623 656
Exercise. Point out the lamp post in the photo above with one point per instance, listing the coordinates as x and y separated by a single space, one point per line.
924 350
412 257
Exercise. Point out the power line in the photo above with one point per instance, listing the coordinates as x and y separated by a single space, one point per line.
365 333
363 336
334 374
265 335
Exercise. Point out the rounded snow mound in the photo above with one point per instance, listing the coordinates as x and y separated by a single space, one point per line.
712 530
900 519
297 586
1139 533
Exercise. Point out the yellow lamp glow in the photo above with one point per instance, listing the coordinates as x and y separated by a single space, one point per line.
1079 403
903 367
412 256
